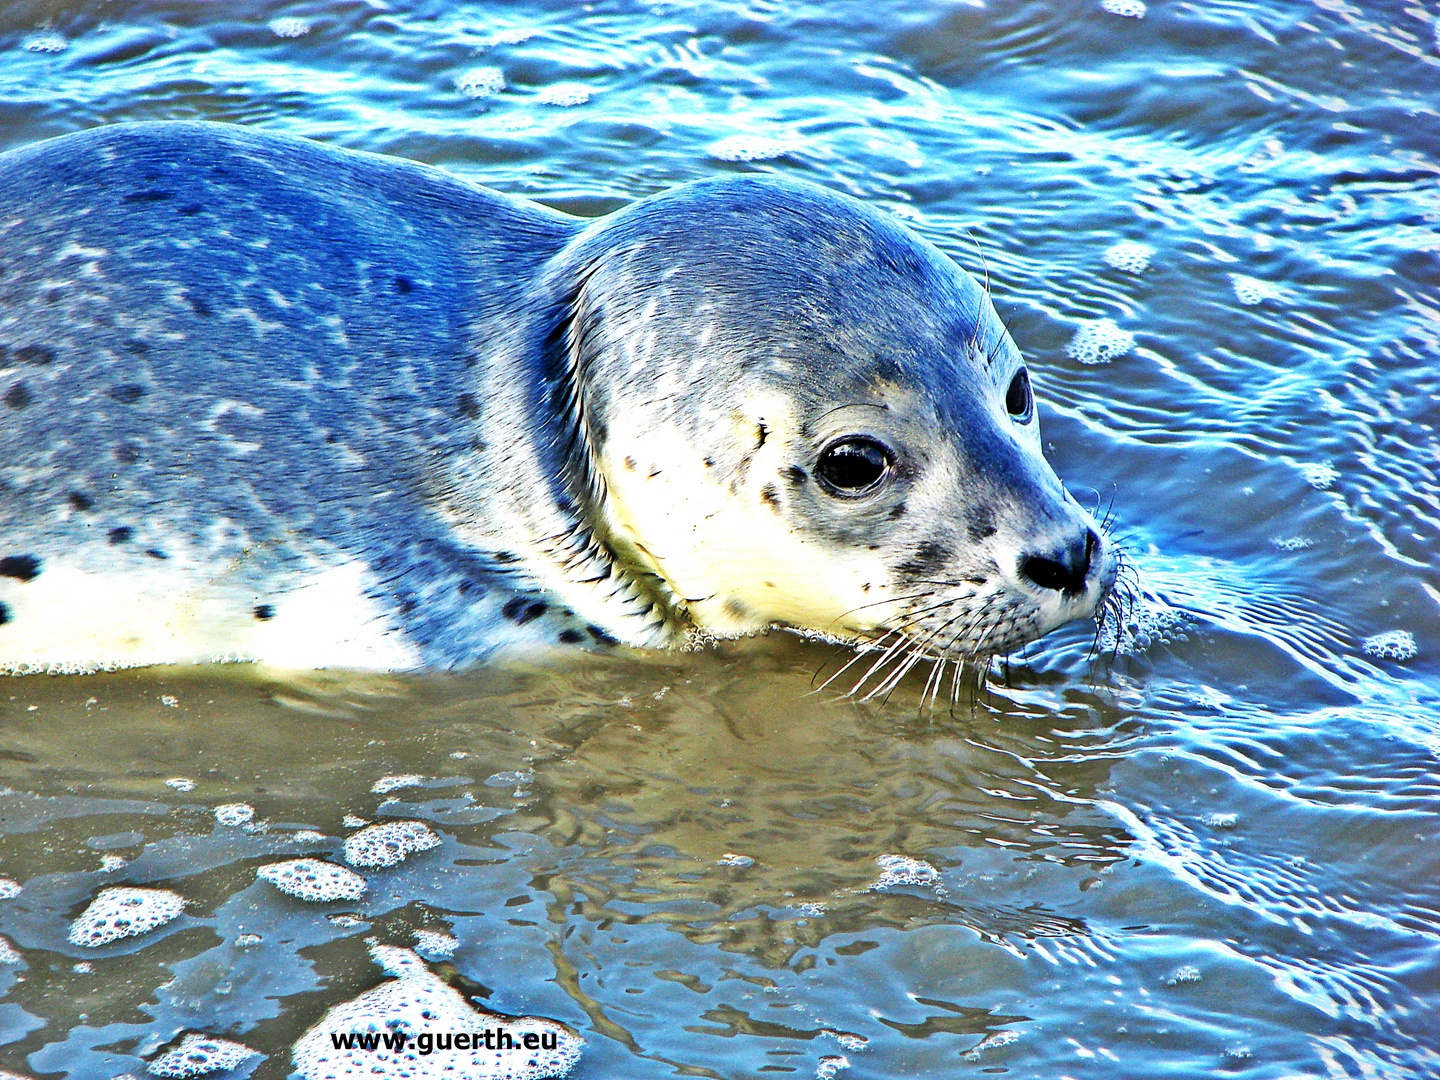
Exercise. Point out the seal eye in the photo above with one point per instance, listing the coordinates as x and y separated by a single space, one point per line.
853 466
1019 401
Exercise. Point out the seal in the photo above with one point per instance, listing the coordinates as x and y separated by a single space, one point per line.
267 399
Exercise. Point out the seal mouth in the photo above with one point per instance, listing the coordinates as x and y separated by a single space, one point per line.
960 635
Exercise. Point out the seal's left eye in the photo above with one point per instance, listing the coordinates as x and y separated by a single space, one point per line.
1019 401
853 466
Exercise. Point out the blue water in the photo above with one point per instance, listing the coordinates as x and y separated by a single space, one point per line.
1214 851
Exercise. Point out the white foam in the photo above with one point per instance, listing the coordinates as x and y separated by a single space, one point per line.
288 26
1130 257
903 870
122 911
1392 645
353 821
750 148
314 880
1187 974
234 814
830 1066
46 41
9 957
993 1041
1130 9
9 888
110 863
180 783
387 784
565 95
435 945
1100 341
200 1054
417 1002
731 859
481 82
1320 475
1249 290
389 843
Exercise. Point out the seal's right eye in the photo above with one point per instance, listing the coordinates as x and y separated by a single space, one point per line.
853 466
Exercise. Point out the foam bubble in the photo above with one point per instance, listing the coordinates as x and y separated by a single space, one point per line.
8 956
1319 476
1391 645
1187 974
46 41
1099 341
1130 9
1249 290
750 148
8 888
830 1066
314 880
122 911
246 941
1148 621
903 870
731 859
200 1054
993 1041
353 821
110 863
288 26
435 945
180 783
1130 257
387 784
1291 543
566 95
236 813
481 82
389 843
416 1001
307 836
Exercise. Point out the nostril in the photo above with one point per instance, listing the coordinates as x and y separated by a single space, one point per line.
1064 570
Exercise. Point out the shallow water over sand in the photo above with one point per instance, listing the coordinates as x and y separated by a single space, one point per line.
1215 850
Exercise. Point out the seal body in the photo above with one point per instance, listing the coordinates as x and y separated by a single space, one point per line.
265 399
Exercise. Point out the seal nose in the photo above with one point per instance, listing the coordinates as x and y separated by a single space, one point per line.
1064 569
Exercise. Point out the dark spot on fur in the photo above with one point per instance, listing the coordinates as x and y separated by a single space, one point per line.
191 209
929 558
630 463
898 510
264 612
470 588
769 495
796 475
982 525
468 405
198 304
127 453
513 607
34 354
408 604
533 612
402 285
865 586
600 636
505 556
136 346
149 196
18 396
156 553
571 637
599 432
128 393
4 614
4 352
709 464
54 296
975 580
23 567
735 609
762 433
121 534
80 501
654 472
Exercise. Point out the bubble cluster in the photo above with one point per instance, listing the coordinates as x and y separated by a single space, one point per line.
46 41
435 945
994 1041
200 1054
750 148
731 859
288 26
1319 476
387 784
1391 645
1147 621
1187 974
415 1002
314 880
8 888
1100 341
8 954
1292 543
481 82
1131 9
123 911
389 843
1249 290
1130 257
903 870
234 814
180 783
566 95
830 1066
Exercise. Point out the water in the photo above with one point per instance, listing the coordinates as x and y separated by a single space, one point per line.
1215 851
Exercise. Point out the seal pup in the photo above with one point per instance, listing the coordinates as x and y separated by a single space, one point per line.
265 399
